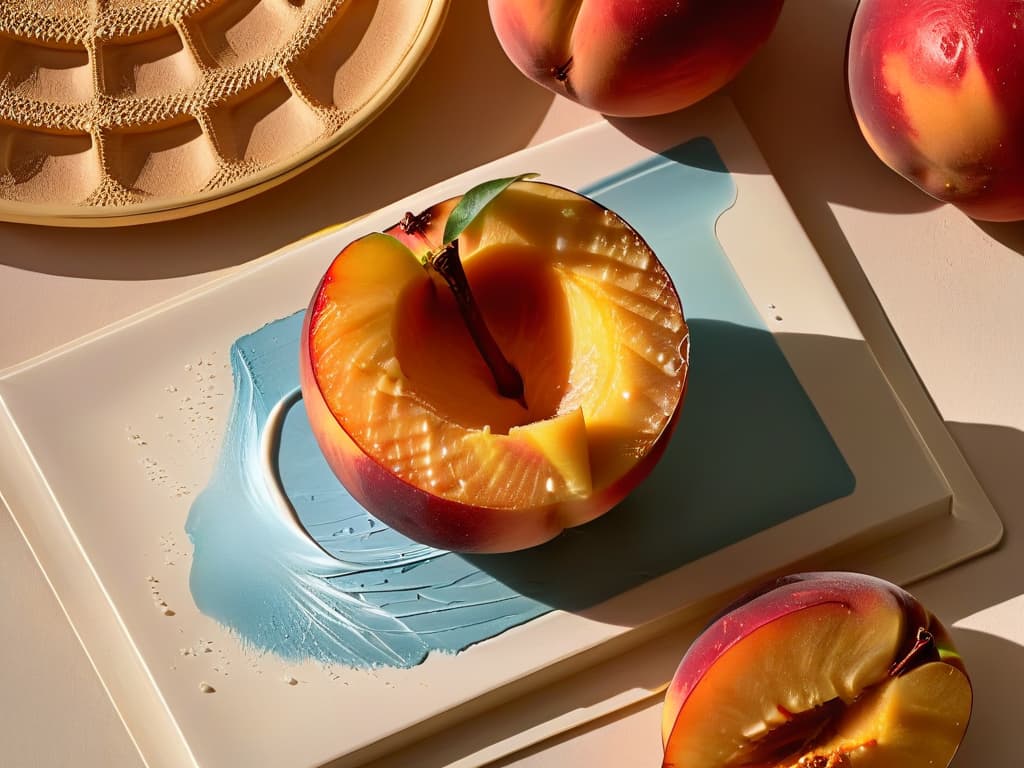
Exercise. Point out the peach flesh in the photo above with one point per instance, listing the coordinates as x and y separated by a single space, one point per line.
427 444
524 302
818 670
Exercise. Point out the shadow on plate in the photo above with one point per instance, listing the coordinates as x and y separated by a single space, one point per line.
750 451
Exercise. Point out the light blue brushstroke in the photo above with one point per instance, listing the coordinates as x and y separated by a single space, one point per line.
750 452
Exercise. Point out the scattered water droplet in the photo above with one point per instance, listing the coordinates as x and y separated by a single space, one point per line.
205 687
291 681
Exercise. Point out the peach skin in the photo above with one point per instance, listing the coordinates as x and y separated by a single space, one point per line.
632 58
936 88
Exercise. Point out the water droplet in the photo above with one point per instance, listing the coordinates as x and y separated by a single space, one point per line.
206 687
291 681
167 611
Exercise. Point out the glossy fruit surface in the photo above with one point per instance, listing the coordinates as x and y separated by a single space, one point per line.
937 88
819 670
408 415
632 58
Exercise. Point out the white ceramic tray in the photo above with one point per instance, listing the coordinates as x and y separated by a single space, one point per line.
99 464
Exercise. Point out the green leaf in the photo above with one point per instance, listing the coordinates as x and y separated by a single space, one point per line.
474 201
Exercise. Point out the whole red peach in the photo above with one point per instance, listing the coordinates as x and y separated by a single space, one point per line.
633 57
937 88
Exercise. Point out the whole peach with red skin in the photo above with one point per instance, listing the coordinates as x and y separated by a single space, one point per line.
937 88
633 58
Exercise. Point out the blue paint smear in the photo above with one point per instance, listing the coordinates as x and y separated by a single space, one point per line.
750 451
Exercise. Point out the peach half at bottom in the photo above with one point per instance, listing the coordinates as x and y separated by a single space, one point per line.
819 670
408 414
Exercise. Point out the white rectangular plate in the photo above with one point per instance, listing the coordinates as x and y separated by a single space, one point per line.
99 461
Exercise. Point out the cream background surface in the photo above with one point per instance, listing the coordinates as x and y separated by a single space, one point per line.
951 288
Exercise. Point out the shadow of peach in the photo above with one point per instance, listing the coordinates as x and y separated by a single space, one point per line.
1009 233
750 451
441 124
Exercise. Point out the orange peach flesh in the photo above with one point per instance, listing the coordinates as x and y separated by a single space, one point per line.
579 305
823 660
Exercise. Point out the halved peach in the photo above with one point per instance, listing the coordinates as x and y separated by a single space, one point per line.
819 670
407 411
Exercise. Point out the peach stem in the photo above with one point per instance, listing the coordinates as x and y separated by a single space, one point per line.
448 264
561 72
925 640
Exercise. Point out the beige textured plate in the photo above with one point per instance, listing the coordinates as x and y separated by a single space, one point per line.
129 111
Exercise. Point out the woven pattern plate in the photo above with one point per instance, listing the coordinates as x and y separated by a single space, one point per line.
124 111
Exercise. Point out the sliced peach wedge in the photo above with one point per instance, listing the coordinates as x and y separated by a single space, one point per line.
819 670
482 393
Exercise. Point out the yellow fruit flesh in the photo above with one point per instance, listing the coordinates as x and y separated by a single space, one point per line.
913 721
793 664
399 371
630 341
817 659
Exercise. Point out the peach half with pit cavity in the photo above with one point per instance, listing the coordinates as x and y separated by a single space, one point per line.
483 394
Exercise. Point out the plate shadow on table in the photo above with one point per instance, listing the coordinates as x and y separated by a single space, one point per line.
443 123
